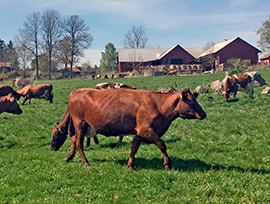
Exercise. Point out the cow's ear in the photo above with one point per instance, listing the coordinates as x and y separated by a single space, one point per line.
10 97
183 94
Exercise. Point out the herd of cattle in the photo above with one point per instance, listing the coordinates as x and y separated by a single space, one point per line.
116 109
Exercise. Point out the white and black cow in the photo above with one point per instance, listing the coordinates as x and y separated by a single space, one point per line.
240 82
112 85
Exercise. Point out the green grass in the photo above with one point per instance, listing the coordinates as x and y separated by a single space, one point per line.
222 159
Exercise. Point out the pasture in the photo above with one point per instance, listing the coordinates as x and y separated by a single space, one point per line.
224 158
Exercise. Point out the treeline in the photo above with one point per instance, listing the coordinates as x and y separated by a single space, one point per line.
46 41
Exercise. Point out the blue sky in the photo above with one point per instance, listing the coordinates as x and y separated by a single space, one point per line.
190 23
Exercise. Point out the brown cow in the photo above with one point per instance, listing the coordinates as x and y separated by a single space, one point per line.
9 104
240 82
5 90
112 85
1 79
172 72
145 114
41 91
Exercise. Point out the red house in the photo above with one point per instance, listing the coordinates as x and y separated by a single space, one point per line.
234 48
130 58
265 58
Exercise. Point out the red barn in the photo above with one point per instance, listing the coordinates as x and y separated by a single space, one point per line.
221 52
130 58
234 48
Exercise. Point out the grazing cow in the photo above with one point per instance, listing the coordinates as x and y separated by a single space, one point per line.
112 85
112 76
240 82
172 72
98 76
41 91
1 79
5 90
93 76
18 82
145 114
106 76
9 104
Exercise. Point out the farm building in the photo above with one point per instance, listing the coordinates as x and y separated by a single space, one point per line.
265 58
5 66
128 59
234 48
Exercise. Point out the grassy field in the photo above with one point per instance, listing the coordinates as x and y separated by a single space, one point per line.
222 159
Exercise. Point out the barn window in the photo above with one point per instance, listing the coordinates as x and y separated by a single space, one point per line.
176 61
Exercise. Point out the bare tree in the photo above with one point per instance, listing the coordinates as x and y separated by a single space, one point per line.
78 35
63 51
264 33
24 57
29 36
208 60
51 33
135 38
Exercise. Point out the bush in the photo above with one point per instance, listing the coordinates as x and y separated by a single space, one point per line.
237 68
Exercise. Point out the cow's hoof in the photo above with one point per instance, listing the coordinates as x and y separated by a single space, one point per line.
70 157
131 168
168 168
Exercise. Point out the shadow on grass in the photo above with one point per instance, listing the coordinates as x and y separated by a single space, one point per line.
233 100
185 165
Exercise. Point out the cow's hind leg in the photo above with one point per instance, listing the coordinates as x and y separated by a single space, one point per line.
134 149
73 149
120 138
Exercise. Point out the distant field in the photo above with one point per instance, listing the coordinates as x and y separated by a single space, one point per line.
222 159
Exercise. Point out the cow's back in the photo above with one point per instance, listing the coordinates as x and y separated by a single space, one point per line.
111 112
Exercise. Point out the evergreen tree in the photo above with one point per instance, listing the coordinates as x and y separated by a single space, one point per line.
108 60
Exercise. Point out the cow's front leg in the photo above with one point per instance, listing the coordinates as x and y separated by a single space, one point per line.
24 100
72 149
134 149
167 162
79 144
150 135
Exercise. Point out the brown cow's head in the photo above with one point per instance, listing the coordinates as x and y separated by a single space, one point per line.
59 136
11 105
189 108
225 94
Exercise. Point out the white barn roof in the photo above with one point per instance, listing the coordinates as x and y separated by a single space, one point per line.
140 55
